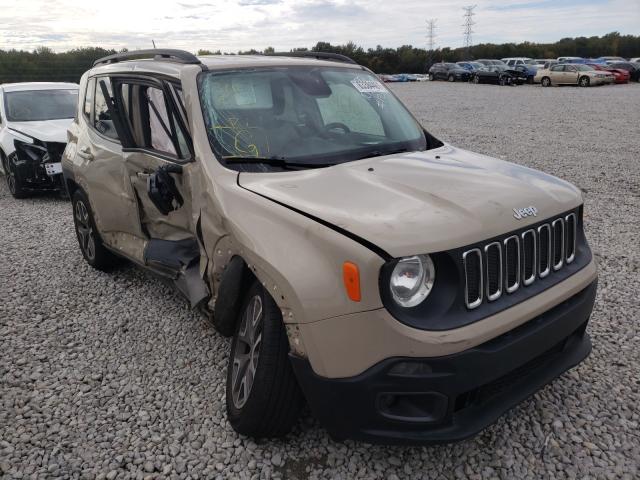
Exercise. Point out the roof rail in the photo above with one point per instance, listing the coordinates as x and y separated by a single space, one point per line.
166 54
317 55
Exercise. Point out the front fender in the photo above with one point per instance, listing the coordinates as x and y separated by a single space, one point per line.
298 260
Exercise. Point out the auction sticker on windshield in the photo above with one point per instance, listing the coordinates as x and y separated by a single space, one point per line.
367 85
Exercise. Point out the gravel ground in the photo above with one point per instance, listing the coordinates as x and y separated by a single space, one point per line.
112 376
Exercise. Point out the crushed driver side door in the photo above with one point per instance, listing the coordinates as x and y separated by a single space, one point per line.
158 164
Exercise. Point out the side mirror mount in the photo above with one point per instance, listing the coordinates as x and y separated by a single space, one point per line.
162 190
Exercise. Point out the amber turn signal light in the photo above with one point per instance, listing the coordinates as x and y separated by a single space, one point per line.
351 278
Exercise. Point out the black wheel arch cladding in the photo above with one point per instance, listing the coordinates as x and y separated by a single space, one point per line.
235 280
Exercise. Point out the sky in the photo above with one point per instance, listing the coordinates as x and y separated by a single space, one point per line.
234 25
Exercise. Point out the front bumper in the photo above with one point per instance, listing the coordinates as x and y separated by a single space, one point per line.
452 397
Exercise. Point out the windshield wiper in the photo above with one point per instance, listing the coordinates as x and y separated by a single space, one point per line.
381 153
274 161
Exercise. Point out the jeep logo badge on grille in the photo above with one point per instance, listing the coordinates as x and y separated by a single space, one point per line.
520 213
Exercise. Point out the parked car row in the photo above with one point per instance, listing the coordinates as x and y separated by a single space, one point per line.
517 71
403 77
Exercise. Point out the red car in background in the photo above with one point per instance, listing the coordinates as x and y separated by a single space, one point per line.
619 75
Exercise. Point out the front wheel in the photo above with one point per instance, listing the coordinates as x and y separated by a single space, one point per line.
452 78
14 183
545 82
263 396
476 79
584 81
431 77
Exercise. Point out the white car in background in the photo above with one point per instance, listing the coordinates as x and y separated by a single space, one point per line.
34 118
568 59
515 61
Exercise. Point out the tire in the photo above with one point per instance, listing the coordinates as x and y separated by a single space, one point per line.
451 78
476 79
14 184
431 77
89 241
545 82
584 81
271 404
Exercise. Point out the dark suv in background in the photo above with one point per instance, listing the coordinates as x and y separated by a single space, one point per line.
449 71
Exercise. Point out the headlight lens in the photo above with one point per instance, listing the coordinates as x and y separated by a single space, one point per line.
412 280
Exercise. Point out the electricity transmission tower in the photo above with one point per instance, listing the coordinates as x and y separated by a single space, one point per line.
468 26
431 34
431 41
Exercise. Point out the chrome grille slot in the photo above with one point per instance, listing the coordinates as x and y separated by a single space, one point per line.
570 236
473 273
529 257
493 255
557 227
544 252
512 263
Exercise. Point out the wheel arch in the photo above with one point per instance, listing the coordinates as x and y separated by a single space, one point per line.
235 279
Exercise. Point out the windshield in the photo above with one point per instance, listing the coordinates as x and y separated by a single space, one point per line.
583 68
305 115
39 105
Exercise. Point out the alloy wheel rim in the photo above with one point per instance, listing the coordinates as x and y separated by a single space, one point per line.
84 229
247 352
11 181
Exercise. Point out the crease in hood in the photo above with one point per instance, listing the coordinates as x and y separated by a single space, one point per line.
45 130
420 202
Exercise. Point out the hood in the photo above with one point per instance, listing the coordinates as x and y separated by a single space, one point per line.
46 130
420 202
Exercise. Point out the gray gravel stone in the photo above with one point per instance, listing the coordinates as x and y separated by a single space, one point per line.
112 374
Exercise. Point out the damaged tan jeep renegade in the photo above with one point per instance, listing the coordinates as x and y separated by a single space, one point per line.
408 290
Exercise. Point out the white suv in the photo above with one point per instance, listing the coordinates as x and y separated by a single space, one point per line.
34 118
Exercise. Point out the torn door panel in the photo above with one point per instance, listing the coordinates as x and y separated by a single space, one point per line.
170 225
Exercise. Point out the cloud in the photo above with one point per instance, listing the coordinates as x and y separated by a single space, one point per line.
319 9
232 25
246 3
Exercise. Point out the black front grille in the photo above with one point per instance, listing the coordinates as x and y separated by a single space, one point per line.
544 250
512 263
481 394
557 228
493 253
529 267
518 260
473 268
570 237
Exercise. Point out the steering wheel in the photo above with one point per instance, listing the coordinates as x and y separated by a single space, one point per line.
333 126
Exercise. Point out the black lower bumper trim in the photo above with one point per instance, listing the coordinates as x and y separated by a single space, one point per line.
447 399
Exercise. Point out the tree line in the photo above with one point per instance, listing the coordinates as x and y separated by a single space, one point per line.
45 65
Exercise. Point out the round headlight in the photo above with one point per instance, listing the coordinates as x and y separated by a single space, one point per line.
412 279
